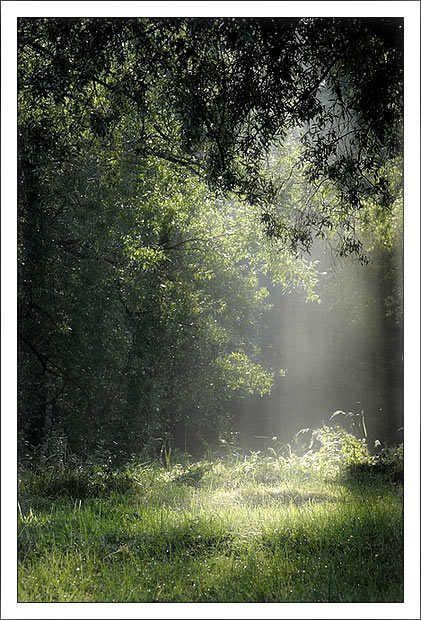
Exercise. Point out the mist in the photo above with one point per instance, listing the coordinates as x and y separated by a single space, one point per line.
343 352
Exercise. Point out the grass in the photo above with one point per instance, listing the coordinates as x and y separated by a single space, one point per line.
253 529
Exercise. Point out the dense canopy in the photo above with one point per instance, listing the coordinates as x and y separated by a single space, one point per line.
215 95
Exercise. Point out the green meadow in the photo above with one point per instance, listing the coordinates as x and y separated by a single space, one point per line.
320 527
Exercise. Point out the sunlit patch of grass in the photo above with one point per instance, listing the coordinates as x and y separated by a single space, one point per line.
240 530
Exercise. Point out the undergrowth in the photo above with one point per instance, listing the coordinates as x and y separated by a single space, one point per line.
324 525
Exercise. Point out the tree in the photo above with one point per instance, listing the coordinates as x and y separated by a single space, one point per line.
215 94
142 302
153 153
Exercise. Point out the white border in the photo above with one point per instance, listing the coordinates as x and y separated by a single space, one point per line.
411 607
246 8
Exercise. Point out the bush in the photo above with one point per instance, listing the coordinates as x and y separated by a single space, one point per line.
388 464
331 450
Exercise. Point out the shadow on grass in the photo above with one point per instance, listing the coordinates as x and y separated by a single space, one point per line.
75 482
175 543
185 540
369 475
383 469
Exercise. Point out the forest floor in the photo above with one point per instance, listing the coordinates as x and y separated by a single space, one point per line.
236 529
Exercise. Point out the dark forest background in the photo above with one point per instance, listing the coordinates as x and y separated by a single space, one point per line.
209 231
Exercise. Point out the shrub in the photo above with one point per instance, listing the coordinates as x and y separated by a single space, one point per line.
388 464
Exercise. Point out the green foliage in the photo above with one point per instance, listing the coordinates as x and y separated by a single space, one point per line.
335 452
164 196
214 95
160 281
242 375
387 464
338 448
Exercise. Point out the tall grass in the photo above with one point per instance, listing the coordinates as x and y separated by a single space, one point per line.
234 529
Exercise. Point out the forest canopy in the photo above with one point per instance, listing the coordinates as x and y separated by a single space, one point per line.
174 175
